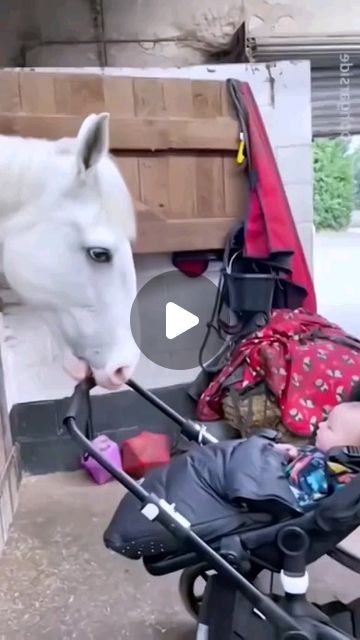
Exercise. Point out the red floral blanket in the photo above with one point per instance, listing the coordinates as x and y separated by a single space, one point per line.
308 363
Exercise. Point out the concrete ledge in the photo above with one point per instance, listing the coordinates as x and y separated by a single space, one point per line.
46 447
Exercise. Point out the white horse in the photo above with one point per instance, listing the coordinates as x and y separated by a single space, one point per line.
67 222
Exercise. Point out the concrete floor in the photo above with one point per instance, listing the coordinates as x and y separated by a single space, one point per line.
58 582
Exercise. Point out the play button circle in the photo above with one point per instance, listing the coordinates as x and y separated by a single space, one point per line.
169 320
178 320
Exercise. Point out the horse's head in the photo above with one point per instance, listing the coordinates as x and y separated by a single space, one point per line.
69 254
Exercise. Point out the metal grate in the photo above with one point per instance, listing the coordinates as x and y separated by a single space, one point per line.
335 76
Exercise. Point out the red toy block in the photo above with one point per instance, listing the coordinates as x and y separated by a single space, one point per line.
144 452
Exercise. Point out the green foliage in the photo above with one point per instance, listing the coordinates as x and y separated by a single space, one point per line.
356 173
333 184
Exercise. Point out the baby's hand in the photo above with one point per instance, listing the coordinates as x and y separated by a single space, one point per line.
288 450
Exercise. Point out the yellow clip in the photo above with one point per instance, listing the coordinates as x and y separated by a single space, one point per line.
240 154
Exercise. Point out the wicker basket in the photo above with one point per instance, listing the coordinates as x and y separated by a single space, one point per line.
254 410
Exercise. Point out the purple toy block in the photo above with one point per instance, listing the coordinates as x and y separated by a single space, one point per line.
110 451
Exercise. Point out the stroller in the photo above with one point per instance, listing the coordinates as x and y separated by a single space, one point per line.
232 607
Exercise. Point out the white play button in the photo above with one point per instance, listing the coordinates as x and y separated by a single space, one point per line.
178 320
170 319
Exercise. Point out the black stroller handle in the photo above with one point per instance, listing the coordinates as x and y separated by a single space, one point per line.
190 428
154 508
80 398
193 430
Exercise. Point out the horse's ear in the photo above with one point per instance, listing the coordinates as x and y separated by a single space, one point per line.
92 140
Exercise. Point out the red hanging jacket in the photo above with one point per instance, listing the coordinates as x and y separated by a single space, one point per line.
269 227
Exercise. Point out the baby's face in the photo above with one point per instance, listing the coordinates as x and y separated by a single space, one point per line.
327 435
340 429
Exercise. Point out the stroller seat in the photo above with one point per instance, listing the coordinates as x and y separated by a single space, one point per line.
242 533
228 546
200 484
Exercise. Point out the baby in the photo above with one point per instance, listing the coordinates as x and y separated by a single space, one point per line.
311 476
208 484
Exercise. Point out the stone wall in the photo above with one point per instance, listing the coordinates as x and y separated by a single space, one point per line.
130 32
157 33
18 31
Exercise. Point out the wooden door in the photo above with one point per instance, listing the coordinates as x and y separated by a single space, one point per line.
175 141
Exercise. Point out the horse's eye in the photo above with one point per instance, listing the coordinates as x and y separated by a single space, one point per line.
99 254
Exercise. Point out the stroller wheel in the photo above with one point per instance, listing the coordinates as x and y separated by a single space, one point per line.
187 588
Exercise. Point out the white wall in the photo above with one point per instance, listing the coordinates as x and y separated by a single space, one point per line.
32 366
303 17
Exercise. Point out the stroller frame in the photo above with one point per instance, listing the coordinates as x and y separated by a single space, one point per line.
238 601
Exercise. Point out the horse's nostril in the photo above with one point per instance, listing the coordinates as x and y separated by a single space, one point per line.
114 380
121 375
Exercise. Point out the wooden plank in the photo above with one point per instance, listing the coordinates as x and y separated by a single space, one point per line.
153 168
9 125
181 168
9 92
39 126
129 167
210 186
206 99
37 93
174 133
9 489
119 101
149 97
209 181
134 133
178 98
182 186
151 214
79 94
119 96
154 181
227 107
180 235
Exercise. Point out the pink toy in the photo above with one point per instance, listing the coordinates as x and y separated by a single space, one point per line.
110 451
